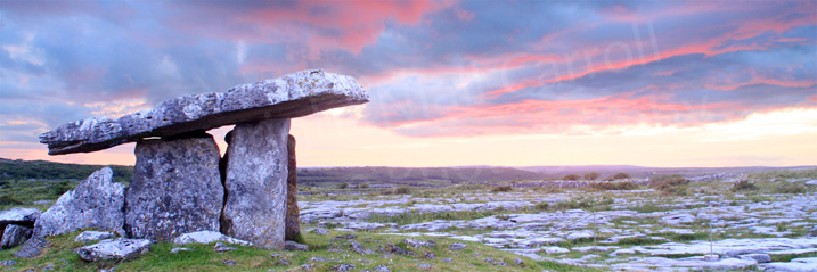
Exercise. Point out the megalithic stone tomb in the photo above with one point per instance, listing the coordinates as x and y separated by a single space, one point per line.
252 203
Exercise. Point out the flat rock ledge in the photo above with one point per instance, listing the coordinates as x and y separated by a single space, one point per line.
293 95
119 249
206 237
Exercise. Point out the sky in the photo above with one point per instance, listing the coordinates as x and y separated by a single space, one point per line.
514 83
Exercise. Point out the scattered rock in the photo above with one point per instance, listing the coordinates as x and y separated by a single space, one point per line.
15 235
359 249
292 245
583 234
347 236
176 250
681 218
32 248
8 263
382 268
307 267
228 262
424 266
114 249
418 243
206 237
176 188
96 203
758 257
343 267
447 260
316 259
255 209
429 255
555 250
90 235
220 247
457 246
320 231
397 250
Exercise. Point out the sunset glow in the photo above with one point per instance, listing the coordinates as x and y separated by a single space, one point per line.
654 83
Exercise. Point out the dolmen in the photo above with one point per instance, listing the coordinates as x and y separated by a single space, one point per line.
180 183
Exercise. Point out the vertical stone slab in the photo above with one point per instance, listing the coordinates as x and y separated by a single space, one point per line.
255 209
293 221
176 188
96 203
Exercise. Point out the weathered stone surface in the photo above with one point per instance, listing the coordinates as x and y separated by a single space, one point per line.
32 248
21 217
95 203
292 245
175 189
15 235
119 249
206 237
292 95
293 220
90 235
255 209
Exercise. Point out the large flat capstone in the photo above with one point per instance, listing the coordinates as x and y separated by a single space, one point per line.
256 183
175 189
293 95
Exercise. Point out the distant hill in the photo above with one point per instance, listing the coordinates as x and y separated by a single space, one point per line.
45 170
556 171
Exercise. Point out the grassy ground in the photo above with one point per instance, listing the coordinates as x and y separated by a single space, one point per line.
336 252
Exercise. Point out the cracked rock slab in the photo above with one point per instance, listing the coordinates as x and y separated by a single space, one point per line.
292 95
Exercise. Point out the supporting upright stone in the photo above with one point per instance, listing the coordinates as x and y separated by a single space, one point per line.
176 188
255 209
293 221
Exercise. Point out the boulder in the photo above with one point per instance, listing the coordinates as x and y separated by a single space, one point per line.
15 225
206 237
255 209
15 235
293 218
96 203
292 95
119 249
175 189
32 248
90 235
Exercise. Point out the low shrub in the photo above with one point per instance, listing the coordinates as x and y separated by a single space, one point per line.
743 185
609 185
502 189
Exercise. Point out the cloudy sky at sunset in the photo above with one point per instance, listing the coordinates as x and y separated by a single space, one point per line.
655 83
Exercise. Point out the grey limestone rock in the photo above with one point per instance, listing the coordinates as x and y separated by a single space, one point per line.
175 189
32 248
255 209
90 235
206 237
293 217
15 235
95 203
19 215
292 95
15 225
119 249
